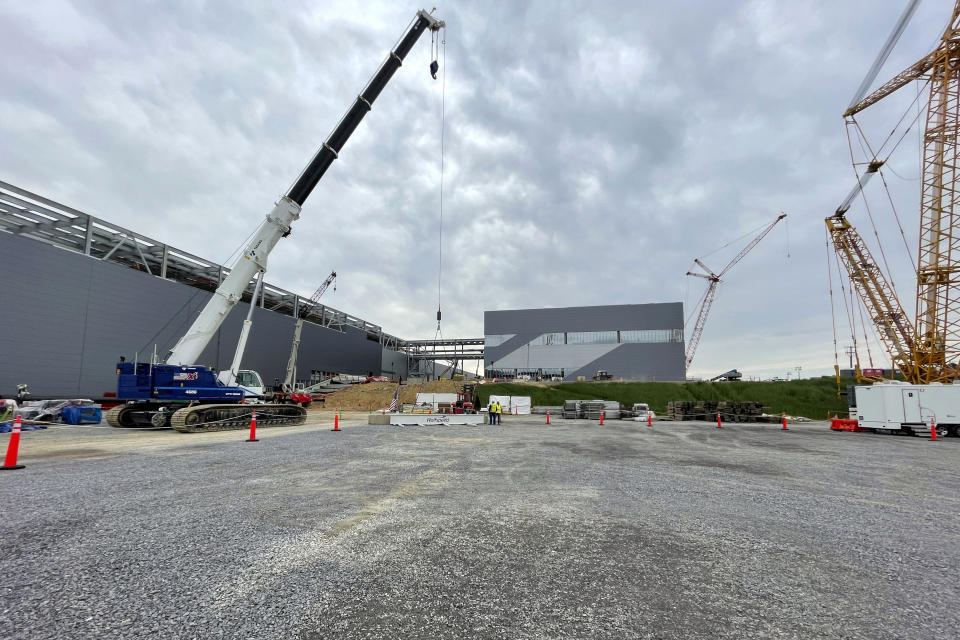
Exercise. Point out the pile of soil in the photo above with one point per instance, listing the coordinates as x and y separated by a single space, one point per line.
377 395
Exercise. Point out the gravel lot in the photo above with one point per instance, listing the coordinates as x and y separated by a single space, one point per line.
525 530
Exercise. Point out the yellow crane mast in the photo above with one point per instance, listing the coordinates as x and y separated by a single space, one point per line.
934 344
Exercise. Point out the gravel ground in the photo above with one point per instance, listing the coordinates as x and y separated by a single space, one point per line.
571 530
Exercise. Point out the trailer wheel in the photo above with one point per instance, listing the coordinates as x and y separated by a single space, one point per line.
943 431
955 431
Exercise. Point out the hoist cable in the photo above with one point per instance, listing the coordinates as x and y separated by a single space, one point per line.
833 315
443 111
867 205
896 216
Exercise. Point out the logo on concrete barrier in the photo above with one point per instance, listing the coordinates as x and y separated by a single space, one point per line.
438 420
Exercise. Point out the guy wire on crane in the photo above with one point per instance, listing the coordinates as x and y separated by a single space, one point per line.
715 278
927 349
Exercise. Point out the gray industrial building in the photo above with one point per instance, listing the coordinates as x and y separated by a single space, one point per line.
640 342
79 292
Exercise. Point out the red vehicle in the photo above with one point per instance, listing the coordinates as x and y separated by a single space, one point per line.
464 403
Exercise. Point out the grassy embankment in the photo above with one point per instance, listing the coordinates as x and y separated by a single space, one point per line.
809 398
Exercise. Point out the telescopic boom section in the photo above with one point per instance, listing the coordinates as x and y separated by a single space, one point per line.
277 225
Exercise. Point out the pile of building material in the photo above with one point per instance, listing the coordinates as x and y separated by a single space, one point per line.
437 402
707 410
593 408
71 411
572 409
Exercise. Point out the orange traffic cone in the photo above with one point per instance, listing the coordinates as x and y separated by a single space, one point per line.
784 428
602 413
719 424
933 430
336 421
649 419
10 462
253 427
548 416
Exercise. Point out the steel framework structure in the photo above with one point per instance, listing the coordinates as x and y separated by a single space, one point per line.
31 215
875 292
936 348
34 216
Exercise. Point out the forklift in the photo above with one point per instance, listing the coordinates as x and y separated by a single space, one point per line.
465 396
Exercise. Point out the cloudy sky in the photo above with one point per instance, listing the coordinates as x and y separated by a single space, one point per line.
592 150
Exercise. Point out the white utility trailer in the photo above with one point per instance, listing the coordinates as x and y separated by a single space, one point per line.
902 407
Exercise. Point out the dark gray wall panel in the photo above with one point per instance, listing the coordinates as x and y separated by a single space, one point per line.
66 318
639 362
666 315
664 361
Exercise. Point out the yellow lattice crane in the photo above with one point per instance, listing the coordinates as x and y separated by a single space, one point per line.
929 351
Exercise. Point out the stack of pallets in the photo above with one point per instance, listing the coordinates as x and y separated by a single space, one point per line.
571 409
593 408
707 410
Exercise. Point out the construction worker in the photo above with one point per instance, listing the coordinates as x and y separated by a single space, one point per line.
491 414
499 412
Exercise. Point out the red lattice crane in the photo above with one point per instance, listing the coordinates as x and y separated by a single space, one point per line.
714 278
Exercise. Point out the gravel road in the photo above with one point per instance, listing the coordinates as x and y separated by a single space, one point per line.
572 530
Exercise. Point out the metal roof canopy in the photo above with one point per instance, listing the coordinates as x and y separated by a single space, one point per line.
33 216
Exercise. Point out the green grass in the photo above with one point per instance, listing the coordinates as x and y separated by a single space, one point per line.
810 398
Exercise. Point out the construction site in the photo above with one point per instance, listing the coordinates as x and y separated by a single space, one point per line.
204 448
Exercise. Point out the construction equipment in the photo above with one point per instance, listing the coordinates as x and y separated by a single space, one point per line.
714 278
465 399
187 396
602 375
925 351
728 376
287 392
928 352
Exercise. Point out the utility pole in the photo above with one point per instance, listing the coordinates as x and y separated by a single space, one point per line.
798 371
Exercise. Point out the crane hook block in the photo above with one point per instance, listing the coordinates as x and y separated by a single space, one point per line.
438 315
434 67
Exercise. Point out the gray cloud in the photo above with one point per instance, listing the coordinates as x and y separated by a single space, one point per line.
592 149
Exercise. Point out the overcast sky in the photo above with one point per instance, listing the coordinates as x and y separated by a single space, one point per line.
592 150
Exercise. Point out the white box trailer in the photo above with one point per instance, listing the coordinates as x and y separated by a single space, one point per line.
901 406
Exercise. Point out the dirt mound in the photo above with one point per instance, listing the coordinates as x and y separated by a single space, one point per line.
377 395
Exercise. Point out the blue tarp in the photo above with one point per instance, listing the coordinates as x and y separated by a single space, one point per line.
7 427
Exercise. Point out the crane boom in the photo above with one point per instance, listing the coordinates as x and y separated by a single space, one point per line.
278 222
714 279
290 375
875 292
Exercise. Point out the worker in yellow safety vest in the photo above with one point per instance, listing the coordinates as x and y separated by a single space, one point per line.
499 412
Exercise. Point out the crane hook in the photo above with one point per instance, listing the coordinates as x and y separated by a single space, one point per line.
434 67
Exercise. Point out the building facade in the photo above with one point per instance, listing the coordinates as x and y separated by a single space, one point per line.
642 342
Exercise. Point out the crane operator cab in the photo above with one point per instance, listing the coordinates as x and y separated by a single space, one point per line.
247 379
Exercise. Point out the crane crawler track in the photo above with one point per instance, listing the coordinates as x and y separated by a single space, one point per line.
225 417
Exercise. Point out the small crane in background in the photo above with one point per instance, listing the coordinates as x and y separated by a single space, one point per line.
290 377
714 278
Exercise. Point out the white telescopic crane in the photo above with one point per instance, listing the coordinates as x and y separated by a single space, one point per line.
290 376
277 225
